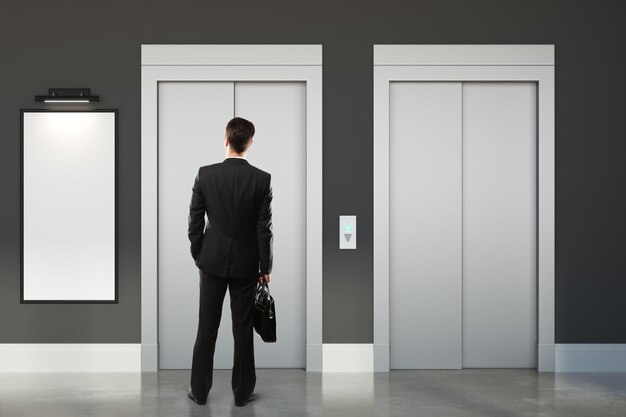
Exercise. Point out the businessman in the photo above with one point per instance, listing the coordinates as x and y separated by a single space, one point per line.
232 250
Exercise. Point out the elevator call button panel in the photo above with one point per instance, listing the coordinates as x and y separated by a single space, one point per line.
347 232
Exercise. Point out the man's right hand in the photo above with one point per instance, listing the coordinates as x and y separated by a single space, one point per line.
264 277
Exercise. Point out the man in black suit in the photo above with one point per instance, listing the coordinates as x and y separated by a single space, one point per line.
233 249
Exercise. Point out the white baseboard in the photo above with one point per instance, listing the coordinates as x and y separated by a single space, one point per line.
347 357
556 358
70 357
336 357
593 357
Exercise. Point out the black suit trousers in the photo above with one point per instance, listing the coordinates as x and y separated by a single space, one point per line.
212 292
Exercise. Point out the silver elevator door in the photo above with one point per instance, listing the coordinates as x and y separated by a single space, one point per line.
192 121
463 225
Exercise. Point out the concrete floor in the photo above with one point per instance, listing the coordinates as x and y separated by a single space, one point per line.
282 392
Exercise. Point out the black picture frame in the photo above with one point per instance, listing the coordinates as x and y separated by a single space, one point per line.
116 206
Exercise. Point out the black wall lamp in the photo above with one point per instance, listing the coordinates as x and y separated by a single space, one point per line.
68 95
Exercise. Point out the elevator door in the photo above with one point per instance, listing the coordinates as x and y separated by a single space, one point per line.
462 225
192 121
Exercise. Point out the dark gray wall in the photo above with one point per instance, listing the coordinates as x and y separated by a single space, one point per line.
97 44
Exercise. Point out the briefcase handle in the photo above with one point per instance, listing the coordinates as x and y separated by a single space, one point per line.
263 300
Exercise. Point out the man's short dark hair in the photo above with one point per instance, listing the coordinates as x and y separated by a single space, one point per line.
239 131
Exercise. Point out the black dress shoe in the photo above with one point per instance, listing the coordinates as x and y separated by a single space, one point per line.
252 397
190 395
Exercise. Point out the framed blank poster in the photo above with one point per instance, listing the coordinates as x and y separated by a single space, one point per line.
69 206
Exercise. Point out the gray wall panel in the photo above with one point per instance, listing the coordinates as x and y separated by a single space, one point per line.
99 47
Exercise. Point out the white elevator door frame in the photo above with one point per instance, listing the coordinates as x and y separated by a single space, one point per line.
192 118
462 170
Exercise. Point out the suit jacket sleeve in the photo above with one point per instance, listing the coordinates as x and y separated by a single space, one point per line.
195 231
264 230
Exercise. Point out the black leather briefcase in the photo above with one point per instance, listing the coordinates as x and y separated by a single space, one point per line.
264 313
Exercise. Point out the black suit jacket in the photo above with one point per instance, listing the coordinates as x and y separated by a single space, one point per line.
237 240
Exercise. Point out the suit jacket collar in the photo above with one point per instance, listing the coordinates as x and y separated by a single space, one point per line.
241 161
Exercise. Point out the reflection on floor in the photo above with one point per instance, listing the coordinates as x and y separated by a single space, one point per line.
292 392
